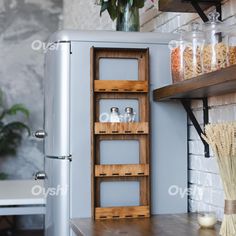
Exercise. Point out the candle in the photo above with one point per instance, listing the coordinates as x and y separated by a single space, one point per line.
207 220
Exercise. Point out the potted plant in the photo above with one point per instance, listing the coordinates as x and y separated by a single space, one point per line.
11 132
125 11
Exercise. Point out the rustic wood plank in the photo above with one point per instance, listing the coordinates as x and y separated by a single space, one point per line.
158 225
121 170
122 212
181 6
215 83
121 128
120 86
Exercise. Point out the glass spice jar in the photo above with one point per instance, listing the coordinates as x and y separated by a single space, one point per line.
215 52
129 115
193 52
177 61
114 114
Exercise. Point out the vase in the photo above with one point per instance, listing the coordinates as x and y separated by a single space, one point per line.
128 18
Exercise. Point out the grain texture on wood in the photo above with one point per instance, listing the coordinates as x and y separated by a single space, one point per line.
122 212
120 86
159 225
121 128
181 6
212 84
121 170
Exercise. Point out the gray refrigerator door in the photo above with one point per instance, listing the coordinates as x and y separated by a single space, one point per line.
57 100
57 195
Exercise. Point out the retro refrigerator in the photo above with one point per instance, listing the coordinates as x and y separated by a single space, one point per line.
67 126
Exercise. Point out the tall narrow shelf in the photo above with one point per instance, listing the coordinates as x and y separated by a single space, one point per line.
120 89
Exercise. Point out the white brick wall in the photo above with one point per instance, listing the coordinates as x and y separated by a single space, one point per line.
207 193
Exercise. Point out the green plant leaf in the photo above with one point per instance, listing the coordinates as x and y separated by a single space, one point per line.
3 176
18 108
104 7
112 9
138 3
16 126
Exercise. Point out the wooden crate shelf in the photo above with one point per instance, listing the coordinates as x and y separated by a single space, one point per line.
121 128
121 170
119 91
120 86
122 212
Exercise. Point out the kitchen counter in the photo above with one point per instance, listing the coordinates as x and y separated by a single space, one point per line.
159 225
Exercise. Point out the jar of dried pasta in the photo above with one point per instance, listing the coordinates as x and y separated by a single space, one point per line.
193 52
232 45
177 48
215 52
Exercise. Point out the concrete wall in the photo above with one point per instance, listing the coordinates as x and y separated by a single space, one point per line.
21 77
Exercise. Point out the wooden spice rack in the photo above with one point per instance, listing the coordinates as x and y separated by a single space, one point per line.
120 89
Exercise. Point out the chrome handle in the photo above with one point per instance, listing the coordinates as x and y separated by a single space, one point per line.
40 175
40 134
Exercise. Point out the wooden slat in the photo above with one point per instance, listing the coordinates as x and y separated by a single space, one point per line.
120 86
215 83
121 170
122 212
121 128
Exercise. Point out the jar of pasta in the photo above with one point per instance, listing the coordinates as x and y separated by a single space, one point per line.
193 52
215 52
177 48
232 45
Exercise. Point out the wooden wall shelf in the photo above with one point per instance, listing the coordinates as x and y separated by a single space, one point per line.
121 128
122 212
121 170
215 83
120 86
182 6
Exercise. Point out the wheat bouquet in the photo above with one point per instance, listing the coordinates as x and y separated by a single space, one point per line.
222 139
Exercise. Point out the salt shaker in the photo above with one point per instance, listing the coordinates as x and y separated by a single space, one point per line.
129 115
114 115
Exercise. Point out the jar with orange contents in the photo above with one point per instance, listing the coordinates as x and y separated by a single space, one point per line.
177 48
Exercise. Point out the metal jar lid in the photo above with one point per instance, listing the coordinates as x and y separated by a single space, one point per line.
129 110
115 109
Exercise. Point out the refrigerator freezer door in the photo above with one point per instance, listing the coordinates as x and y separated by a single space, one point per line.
57 195
57 100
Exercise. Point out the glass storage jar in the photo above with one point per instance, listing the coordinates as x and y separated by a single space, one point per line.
232 45
177 61
215 52
193 52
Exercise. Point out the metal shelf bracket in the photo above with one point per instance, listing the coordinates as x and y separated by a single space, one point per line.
201 13
187 106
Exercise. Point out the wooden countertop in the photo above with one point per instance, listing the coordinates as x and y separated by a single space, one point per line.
159 225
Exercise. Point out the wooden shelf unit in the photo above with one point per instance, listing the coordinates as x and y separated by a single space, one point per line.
139 131
215 83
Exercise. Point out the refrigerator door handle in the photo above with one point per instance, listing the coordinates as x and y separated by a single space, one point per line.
40 175
40 134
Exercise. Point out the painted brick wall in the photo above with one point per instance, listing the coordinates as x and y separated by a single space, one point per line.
207 193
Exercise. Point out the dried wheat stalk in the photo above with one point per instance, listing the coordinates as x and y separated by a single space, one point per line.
221 138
